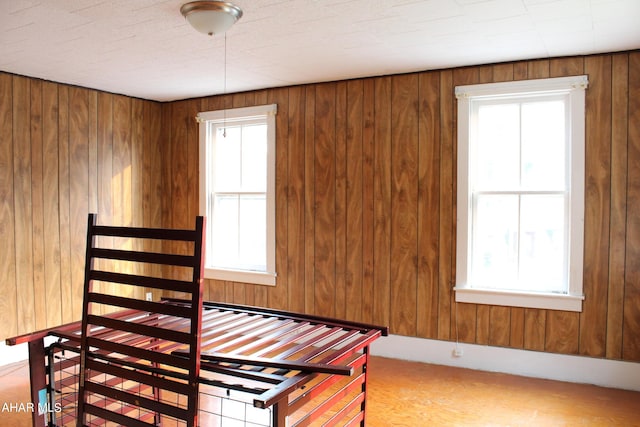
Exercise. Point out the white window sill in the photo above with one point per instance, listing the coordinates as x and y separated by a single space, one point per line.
520 299
242 276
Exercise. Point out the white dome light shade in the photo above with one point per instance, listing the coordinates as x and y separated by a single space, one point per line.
211 17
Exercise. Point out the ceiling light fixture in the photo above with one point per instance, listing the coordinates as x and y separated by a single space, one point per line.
211 17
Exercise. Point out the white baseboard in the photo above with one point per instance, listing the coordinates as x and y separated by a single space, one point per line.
577 369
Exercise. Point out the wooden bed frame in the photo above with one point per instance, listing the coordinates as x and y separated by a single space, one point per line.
145 364
302 370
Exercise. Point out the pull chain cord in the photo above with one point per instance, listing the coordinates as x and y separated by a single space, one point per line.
224 90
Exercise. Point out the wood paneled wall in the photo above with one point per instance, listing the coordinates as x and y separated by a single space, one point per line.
365 193
366 206
64 152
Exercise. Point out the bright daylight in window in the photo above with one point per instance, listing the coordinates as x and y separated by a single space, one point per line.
521 193
237 193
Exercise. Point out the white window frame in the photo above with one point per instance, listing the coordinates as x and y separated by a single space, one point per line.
268 113
574 88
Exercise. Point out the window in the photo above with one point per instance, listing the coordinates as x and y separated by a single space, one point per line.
237 193
521 193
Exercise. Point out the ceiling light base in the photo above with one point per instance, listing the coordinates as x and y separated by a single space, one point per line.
211 17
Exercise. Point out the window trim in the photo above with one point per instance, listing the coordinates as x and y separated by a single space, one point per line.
236 114
574 87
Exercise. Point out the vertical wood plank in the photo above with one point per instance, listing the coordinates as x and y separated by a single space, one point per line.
618 230
502 72
296 200
561 335
152 162
93 151
166 144
64 193
137 211
485 74
239 295
538 69
404 200
354 214
428 204
179 174
368 199
446 238
309 198
216 290
325 193
382 206
520 70
239 100
193 162
51 204
37 205
78 190
122 177
341 228
499 326
228 292
152 180
23 212
593 319
8 288
631 326
250 295
278 295
516 330
104 170
564 67
137 153
180 163
534 326
122 174
168 127
92 146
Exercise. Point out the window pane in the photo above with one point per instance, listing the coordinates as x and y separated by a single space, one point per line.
224 231
254 158
252 253
238 236
543 145
227 159
495 242
498 146
542 243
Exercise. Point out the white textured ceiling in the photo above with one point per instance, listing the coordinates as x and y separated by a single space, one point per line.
145 48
